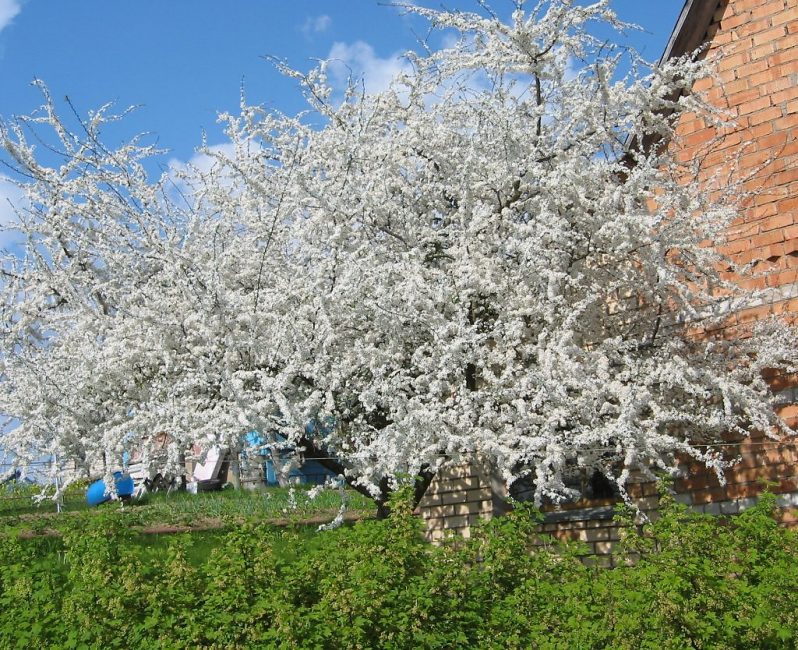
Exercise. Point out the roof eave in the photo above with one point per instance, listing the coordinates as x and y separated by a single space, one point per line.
691 28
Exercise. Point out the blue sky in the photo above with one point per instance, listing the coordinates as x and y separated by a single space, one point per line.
183 61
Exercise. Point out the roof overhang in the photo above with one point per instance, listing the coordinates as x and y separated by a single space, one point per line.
689 33
691 28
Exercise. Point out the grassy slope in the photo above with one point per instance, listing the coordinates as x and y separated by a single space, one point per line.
177 511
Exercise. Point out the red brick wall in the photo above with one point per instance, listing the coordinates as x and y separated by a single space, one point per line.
754 44
754 48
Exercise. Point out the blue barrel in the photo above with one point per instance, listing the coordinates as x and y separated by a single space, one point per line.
97 493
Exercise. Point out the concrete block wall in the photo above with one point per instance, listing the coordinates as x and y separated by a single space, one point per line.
463 495
592 523
599 536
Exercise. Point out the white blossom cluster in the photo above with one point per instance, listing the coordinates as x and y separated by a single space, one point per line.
487 259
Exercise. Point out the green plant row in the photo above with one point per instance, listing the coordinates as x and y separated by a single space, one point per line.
696 583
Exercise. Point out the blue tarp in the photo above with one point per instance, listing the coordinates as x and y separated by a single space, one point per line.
311 472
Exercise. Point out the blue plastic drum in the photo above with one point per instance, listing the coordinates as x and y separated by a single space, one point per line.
97 494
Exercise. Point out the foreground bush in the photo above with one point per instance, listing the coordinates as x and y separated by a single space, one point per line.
698 583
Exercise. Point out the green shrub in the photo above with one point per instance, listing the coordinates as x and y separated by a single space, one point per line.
696 582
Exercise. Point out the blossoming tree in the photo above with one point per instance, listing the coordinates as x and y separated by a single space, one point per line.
486 259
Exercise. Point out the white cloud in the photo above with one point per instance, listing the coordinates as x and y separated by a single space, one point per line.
315 25
8 10
359 61
187 176
203 162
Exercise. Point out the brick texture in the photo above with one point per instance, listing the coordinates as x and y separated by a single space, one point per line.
753 47
754 50
459 497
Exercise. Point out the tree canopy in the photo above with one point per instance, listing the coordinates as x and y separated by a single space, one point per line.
481 260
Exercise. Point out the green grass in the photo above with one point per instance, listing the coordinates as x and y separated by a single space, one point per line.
180 509
19 500
207 516
271 503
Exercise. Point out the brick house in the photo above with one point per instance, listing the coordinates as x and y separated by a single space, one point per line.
755 46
